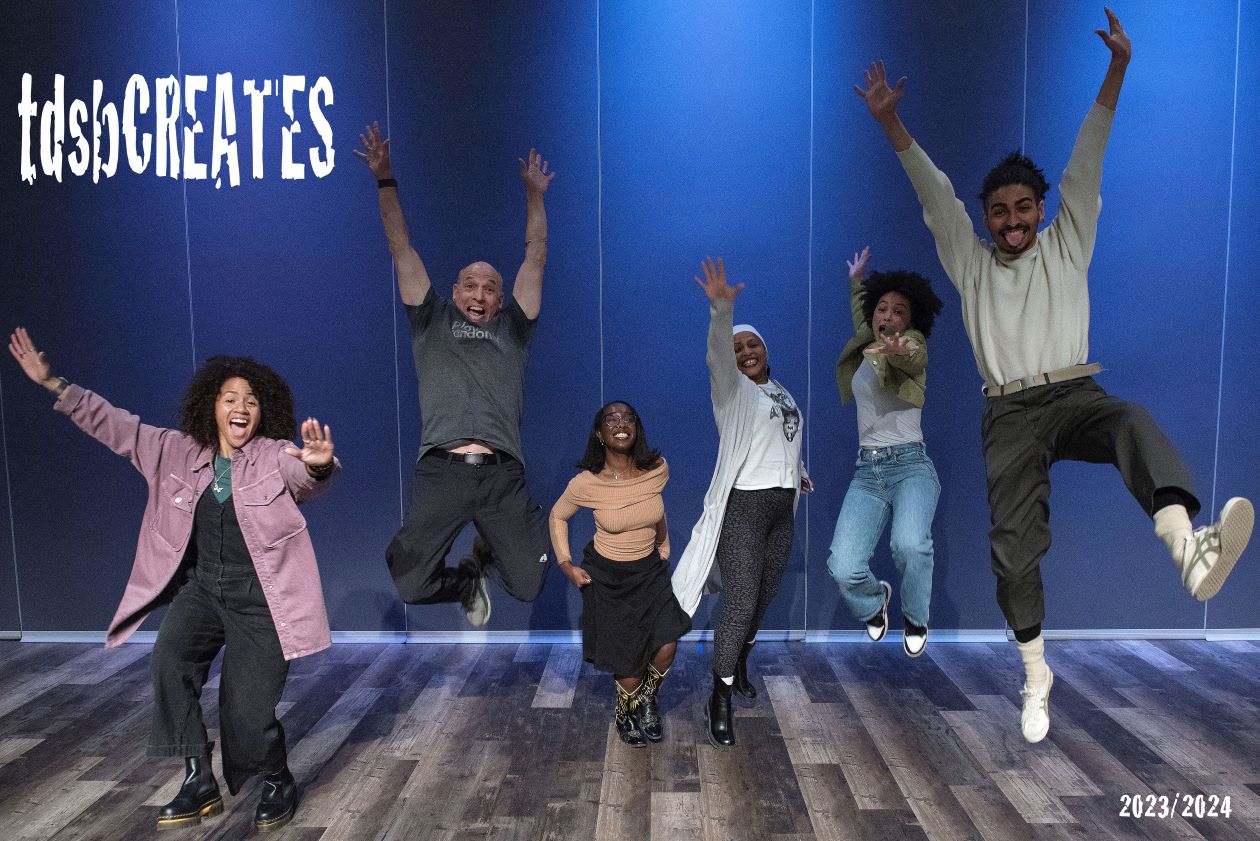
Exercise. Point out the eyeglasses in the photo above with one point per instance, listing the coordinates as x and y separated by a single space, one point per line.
617 419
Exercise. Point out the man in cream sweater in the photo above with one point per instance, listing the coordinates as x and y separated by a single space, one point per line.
1025 305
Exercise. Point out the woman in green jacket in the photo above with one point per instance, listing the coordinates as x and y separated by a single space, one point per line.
884 369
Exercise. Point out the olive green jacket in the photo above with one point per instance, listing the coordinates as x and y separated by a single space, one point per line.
904 375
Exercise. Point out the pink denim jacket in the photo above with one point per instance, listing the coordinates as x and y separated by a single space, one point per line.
267 486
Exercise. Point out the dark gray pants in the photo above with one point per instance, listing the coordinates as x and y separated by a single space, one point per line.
220 607
446 496
752 555
1023 434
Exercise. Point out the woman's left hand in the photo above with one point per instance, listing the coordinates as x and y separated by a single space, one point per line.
317 445
894 345
807 485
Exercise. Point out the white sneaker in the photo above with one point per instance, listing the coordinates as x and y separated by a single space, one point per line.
1210 553
1034 718
876 631
913 642
477 606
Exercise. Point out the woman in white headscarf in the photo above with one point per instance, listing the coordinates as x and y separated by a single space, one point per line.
747 524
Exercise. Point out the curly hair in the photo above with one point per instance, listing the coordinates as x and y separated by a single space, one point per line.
643 456
275 400
924 305
1015 168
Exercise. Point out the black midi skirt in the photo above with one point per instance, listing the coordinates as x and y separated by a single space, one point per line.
628 612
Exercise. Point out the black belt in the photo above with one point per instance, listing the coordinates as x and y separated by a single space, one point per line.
470 458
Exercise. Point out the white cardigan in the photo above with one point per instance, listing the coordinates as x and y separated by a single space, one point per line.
735 400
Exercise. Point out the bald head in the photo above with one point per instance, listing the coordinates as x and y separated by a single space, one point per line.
478 292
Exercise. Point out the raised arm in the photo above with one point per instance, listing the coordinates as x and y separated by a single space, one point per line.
881 101
413 279
724 373
857 271
1117 41
527 290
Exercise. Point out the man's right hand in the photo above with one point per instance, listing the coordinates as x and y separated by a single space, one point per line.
375 151
881 100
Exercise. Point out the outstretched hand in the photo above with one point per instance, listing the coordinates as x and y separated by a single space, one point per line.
317 445
881 100
33 362
1116 39
714 283
857 266
375 151
534 173
894 345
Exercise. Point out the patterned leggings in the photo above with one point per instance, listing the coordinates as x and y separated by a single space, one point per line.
752 554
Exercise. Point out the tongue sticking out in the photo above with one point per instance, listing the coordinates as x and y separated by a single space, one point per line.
1014 237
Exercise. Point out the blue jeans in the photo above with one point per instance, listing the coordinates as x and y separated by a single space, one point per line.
900 481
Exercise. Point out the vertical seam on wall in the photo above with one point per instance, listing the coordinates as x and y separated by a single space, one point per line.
393 285
1023 122
8 490
394 299
1229 230
809 312
599 199
192 330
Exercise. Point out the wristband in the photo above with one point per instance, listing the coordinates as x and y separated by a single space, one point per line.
61 389
382 183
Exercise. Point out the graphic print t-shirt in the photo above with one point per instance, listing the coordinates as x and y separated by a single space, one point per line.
774 460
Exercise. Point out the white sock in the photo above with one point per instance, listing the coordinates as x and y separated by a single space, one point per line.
1033 653
729 681
1172 525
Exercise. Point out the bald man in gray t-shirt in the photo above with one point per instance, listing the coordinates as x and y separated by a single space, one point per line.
470 354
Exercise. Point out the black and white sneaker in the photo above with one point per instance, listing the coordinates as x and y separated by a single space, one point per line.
877 625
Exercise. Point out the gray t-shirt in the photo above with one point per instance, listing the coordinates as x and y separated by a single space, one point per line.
471 375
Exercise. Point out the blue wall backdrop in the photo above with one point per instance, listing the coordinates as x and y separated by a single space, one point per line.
678 130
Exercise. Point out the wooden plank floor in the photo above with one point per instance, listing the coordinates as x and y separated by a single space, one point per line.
846 741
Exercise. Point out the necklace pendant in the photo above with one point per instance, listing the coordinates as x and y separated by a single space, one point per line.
216 488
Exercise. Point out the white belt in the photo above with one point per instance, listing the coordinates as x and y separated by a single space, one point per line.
1072 372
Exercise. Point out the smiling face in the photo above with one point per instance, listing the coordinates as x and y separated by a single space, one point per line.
1012 214
892 314
618 428
750 356
478 293
236 414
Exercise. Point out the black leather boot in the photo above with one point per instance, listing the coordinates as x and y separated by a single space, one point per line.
198 797
743 685
649 710
718 715
627 717
278 803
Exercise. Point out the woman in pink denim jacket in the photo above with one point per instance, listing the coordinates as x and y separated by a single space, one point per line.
223 544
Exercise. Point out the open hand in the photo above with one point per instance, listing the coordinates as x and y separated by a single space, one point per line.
317 445
714 283
894 345
32 360
534 173
857 266
375 151
881 100
1116 39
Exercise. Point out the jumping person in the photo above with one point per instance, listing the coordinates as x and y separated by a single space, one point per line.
1025 305
470 355
883 369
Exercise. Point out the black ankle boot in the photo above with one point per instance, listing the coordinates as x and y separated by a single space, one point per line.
649 709
278 803
743 685
198 797
717 714
627 717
